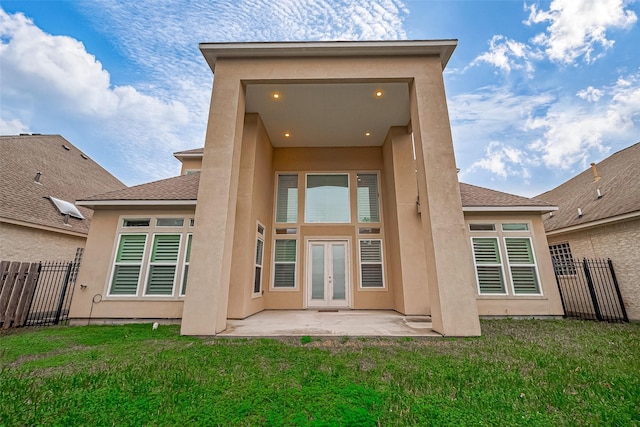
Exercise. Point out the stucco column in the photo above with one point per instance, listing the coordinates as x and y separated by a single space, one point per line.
205 306
447 249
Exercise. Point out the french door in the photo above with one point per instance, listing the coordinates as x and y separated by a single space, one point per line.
328 273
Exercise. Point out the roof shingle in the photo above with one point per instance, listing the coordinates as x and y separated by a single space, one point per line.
619 185
66 173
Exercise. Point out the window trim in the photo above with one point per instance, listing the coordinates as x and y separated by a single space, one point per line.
296 280
115 262
534 265
164 264
185 265
501 265
381 263
259 237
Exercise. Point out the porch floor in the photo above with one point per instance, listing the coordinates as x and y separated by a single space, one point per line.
278 323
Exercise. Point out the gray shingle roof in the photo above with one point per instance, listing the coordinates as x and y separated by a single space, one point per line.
473 196
185 188
67 174
619 185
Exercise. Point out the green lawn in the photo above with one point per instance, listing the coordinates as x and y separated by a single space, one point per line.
520 372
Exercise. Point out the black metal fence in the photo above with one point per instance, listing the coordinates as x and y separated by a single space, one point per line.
37 294
589 289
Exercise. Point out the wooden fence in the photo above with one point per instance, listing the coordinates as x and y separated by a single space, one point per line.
18 285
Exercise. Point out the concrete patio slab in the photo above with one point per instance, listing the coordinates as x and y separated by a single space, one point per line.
278 323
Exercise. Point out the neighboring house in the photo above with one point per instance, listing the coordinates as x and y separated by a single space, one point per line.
327 180
599 217
41 176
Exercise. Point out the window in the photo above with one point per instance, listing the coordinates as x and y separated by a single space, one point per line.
151 258
284 270
169 222
522 265
287 199
371 273
562 259
488 265
257 278
368 210
510 252
515 227
162 264
128 264
137 222
327 199
185 269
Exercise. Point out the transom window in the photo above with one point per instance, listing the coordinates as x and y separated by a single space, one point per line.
327 199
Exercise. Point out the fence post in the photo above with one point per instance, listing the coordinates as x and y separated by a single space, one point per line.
615 283
556 267
592 290
63 293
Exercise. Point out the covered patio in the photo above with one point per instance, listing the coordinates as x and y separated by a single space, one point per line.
358 323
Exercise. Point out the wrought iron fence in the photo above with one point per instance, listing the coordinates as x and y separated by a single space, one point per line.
589 289
37 293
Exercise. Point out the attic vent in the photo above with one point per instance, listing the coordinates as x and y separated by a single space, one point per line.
83 156
66 208
66 147
36 178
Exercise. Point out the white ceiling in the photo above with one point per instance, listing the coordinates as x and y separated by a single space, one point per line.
329 114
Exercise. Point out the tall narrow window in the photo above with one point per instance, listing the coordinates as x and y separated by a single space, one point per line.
371 275
287 199
488 265
522 265
284 275
128 263
327 199
368 210
162 264
185 268
257 278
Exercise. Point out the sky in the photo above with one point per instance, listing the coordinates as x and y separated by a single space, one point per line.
536 90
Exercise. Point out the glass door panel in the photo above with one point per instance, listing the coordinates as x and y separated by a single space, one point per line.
338 269
317 272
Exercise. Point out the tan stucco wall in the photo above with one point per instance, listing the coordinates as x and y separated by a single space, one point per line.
442 221
27 244
549 303
190 164
255 203
96 266
618 241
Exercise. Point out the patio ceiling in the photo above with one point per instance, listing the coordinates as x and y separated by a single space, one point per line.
329 114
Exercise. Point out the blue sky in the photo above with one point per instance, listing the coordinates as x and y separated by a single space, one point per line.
536 90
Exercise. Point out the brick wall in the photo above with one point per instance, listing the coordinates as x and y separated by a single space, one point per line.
621 243
27 244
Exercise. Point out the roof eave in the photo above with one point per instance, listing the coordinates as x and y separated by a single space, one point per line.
442 48
594 223
123 203
541 209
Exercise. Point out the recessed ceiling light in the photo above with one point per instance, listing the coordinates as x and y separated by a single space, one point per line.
287 134
367 134
379 94
276 95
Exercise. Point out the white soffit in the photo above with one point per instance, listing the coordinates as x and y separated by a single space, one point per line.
329 114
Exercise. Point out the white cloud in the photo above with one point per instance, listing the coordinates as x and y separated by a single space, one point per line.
573 131
504 161
48 78
590 94
12 127
578 28
507 54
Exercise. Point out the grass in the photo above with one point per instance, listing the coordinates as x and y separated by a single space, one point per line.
520 372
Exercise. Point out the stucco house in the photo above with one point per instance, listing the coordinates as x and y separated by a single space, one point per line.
327 180
41 177
599 217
